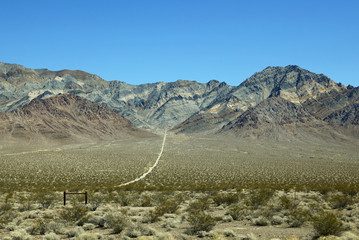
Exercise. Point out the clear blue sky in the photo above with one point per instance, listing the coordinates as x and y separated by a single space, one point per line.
142 41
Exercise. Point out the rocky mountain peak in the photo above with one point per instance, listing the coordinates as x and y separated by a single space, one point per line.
17 75
191 105
291 83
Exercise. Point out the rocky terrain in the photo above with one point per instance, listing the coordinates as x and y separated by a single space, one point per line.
65 117
277 102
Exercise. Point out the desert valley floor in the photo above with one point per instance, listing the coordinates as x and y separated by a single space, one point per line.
227 179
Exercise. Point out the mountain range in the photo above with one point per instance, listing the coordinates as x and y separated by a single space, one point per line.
280 103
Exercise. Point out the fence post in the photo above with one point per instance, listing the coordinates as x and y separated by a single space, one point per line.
75 193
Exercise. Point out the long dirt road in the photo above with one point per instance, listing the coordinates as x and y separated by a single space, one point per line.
151 168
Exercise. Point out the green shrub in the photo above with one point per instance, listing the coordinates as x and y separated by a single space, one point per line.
327 223
258 197
45 199
170 205
51 236
261 221
236 212
96 200
20 235
297 217
117 222
136 231
75 232
200 221
124 198
25 203
340 200
74 213
201 204
7 213
55 227
38 227
276 220
225 198
146 201
287 202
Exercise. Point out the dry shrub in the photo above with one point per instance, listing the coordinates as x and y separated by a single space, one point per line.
117 222
258 197
297 217
45 199
201 204
261 221
237 212
135 231
74 213
340 200
170 205
200 221
25 203
51 236
20 235
96 200
327 223
225 198
75 232
38 227
7 213
287 202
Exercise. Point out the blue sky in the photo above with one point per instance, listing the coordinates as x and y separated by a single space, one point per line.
143 41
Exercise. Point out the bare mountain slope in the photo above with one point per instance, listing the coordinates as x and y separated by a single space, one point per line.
292 83
66 117
277 118
192 107
157 106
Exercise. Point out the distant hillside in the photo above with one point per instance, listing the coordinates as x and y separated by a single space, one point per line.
64 118
190 107
279 119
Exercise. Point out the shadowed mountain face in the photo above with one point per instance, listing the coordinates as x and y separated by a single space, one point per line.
156 106
274 118
274 97
66 117
348 115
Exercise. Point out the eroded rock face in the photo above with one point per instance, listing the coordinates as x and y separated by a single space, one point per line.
65 118
291 83
273 117
348 115
158 105
189 106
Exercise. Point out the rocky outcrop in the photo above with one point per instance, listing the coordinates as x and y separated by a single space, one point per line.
291 83
192 107
273 117
66 118
156 106
346 116
278 119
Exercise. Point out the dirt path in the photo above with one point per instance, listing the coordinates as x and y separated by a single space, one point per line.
151 168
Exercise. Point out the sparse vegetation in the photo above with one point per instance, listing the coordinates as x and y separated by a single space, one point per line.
236 212
241 190
201 221
298 216
117 222
170 205
327 223
225 198
258 197
74 213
